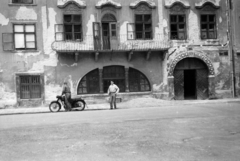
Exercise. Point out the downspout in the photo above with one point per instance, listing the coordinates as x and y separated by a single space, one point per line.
230 46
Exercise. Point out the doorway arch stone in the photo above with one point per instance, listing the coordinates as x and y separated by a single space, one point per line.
192 54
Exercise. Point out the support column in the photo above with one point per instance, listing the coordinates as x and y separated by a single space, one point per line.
76 57
100 80
126 80
211 87
171 87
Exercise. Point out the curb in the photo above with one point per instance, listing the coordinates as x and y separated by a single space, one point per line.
16 111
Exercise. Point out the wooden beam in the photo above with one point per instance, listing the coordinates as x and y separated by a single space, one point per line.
96 56
130 55
148 54
76 57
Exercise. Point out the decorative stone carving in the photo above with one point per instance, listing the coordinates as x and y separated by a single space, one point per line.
72 8
177 8
170 4
191 54
143 8
64 3
214 5
104 3
137 3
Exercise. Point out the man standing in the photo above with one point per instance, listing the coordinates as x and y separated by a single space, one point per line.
112 92
67 92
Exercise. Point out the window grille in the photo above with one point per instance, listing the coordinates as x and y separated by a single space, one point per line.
30 87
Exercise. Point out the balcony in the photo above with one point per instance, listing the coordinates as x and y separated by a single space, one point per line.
68 42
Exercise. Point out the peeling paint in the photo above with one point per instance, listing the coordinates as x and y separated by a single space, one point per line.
3 20
39 66
220 19
216 66
193 27
24 13
89 27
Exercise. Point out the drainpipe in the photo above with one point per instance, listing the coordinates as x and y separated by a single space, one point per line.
230 46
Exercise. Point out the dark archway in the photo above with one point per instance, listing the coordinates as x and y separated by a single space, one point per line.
191 79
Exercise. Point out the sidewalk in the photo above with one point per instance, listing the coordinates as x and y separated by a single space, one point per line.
135 103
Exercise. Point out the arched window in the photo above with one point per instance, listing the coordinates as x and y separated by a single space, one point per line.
138 81
89 83
116 74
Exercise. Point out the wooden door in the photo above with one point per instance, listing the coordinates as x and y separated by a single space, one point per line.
179 84
202 84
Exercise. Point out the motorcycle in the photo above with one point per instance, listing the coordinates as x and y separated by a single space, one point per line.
77 104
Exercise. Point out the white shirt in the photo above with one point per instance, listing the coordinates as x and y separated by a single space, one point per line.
113 89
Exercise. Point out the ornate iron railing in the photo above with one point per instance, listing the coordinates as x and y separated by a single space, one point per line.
120 42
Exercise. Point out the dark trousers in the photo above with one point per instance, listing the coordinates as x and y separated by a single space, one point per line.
113 100
67 101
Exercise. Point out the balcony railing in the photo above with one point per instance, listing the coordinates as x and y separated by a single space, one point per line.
121 42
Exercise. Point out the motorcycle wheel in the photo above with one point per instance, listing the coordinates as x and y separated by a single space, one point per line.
54 106
80 106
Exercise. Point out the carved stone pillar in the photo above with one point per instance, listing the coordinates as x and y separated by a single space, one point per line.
126 80
100 80
171 87
211 87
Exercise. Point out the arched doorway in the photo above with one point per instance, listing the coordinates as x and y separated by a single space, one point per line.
191 79
109 31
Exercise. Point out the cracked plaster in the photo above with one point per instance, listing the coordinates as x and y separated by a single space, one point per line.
24 13
3 20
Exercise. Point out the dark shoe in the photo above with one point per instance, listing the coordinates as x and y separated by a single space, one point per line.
111 108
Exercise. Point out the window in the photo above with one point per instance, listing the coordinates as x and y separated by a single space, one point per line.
143 26
208 26
116 74
89 83
137 81
178 27
30 86
22 1
24 36
73 27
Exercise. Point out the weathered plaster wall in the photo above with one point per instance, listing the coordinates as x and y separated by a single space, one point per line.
236 26
18 61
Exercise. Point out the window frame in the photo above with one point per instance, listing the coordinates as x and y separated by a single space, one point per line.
143 23
178 24
22 2
208 23
40 85
25 33
72 23
136 76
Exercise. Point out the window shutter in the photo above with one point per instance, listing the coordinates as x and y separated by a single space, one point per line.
8 44
96 29
96 35
59 32
131 31
113 29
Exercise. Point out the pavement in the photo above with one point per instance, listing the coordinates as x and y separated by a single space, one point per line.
135 103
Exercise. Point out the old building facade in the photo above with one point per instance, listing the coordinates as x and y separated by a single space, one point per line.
167 49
